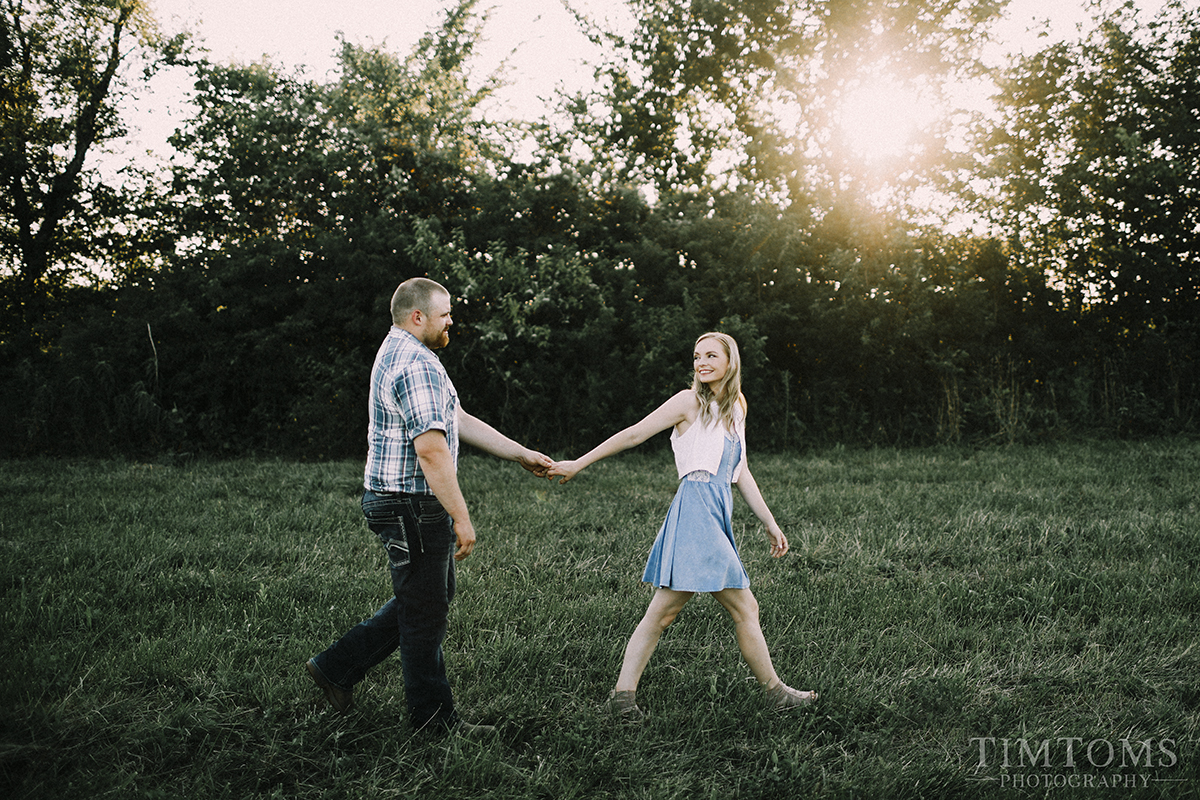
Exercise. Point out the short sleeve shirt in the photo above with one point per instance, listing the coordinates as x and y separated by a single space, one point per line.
410 395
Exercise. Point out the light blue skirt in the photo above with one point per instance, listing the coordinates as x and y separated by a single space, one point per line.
694 550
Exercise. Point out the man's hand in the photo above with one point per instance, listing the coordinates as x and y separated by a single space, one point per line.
465 536
537 463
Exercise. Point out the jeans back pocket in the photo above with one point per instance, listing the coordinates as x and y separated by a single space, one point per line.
397 550
386 520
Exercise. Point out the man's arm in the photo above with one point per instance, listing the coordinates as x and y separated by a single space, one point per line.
478 433
433 453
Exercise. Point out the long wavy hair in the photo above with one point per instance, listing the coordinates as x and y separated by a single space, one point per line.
726 391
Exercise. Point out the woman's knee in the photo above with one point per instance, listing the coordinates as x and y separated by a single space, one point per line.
661 622
665 608
740 603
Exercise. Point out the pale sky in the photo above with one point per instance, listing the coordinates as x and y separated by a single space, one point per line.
295 32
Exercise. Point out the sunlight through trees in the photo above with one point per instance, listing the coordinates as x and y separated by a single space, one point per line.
901 262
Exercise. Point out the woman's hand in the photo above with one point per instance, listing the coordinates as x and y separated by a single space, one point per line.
564 469
779 542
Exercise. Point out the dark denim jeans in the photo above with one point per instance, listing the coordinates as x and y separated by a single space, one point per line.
418 535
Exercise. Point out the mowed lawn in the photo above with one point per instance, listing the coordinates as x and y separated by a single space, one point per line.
1009 622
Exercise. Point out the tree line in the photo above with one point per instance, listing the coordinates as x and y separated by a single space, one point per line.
233 303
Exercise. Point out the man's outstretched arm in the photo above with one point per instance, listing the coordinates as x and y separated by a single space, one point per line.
478 433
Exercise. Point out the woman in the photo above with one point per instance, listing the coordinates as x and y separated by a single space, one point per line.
695 550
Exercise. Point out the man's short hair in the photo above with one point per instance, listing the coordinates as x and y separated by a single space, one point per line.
414 295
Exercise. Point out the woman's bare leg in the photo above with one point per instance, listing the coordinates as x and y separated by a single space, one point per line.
664 607
743 607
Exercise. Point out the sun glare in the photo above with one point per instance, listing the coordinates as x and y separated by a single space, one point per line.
879 120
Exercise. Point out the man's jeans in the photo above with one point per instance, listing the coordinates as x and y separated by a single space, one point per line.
419 537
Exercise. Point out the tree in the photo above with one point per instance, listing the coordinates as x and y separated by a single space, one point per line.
747 93
296 204
64 73
1097 165
281 157
1095 170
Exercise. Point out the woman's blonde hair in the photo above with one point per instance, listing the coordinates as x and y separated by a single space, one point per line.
727 391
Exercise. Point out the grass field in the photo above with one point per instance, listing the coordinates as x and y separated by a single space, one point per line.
1016 622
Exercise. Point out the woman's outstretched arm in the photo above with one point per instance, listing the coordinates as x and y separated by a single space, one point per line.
672 412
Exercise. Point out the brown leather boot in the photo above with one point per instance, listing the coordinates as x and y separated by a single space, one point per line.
341 700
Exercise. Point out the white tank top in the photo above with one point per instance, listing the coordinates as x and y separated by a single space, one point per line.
700 447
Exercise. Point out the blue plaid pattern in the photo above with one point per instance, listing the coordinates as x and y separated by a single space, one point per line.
410 394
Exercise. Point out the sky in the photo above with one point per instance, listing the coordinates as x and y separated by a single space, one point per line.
303 31
537 39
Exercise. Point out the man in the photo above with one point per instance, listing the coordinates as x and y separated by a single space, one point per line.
413 502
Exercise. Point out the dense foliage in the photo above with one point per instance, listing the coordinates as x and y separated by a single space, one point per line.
248 320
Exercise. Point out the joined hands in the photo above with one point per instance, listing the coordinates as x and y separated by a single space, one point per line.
537 463
543 466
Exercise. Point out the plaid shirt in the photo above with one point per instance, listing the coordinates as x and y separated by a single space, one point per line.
410 394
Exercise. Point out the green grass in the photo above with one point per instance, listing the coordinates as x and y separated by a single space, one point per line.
155 620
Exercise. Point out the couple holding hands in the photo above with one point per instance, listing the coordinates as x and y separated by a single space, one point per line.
413 502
